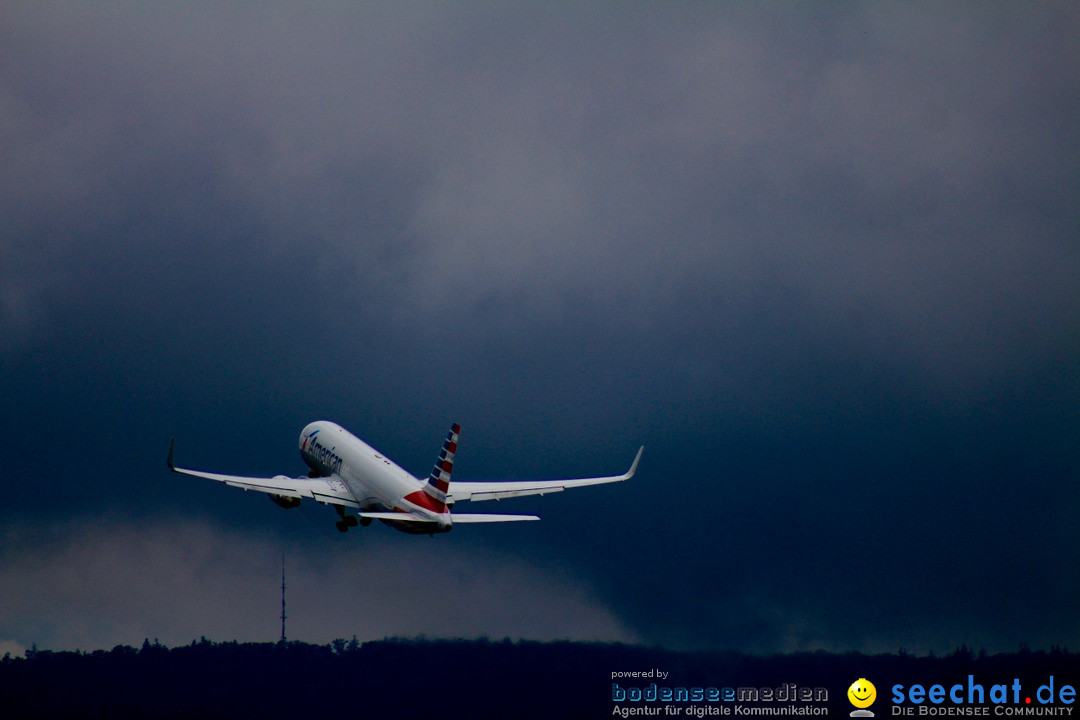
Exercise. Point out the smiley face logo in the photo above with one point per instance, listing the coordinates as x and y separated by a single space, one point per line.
862 693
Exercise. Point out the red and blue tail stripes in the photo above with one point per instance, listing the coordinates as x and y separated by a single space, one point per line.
438 483
434 495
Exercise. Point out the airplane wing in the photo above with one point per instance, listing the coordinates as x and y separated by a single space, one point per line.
498 490
324 490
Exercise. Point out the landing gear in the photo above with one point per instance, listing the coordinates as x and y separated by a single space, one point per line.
344 524
365 521
347 521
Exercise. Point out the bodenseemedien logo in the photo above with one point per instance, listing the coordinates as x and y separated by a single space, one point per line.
716 700
862 694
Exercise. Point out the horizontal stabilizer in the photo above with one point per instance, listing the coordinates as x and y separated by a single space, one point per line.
403 516
488 518
456 517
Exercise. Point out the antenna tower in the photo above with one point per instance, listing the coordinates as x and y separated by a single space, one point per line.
283 598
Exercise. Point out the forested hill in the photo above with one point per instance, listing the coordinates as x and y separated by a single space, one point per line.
469 679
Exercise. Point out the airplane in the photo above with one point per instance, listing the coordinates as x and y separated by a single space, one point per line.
345 472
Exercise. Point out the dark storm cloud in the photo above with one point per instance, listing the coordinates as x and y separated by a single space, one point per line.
822 261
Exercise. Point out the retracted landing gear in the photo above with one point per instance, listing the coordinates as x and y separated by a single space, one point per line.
347 521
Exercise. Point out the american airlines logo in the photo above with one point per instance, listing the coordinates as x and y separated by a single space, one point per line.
320 453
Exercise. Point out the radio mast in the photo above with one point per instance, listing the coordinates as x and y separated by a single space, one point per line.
282 598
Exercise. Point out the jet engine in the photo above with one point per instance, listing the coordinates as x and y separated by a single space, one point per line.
285 501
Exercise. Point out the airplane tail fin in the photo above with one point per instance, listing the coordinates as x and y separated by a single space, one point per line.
438 483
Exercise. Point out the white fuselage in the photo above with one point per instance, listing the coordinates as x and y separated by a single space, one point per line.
375 482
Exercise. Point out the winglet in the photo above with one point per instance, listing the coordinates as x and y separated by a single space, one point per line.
633 466
169 460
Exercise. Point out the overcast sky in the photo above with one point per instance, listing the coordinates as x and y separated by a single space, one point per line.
822 260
